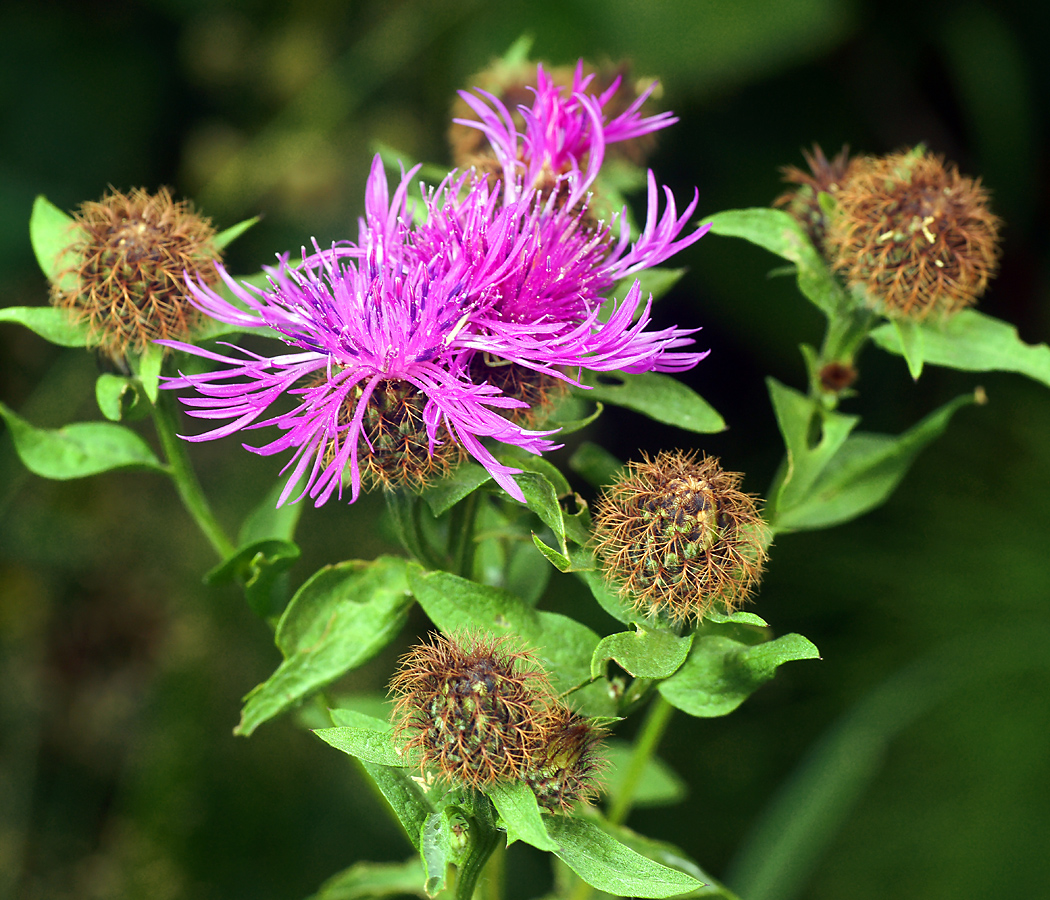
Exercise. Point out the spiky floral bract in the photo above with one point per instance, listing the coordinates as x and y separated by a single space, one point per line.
370 322
914 234
569 763
126 266
472 706
678 538
824 177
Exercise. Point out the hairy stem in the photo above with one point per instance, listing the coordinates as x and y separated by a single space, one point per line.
186 483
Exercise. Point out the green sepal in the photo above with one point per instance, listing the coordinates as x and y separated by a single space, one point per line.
519 813
864 472
119 399
653 394
610 865
973 342
643 653
367 880
50 232
58 326
229 235
722 673
659 784
78 450
338 620
562 645
258 566
778 232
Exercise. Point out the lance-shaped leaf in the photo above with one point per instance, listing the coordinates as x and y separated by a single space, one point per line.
229 235
864 473
658 396
611 866
520 814
78 450
366 880
812 436
779 233
59 326
562 645
973 342
644 653
337 621
722 673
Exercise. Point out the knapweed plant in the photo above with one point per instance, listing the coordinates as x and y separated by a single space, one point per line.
438 357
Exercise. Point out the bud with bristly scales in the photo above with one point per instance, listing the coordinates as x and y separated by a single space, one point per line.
678 538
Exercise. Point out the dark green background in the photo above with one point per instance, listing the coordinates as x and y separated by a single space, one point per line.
121 674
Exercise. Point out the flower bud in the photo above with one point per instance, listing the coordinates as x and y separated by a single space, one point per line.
568 763
127 264
473 707
914 234
824 177
678 538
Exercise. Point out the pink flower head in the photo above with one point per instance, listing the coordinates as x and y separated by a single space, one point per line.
358 319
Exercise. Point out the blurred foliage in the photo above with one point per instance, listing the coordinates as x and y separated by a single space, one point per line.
120 775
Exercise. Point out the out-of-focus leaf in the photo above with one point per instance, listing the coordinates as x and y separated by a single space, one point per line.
146 366
722 673
658 786
258 566
594 463
658 396
338 620
864 472
59 326
973 342
78 450
779 233
229 235
51 232
611 866
365 880
609 598
643 653
910 336
268 521
562 645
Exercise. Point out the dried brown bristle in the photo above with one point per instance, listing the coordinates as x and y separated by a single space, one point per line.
803 201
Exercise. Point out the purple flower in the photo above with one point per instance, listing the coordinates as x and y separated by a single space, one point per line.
362 321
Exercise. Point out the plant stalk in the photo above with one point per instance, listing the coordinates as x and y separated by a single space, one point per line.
656 720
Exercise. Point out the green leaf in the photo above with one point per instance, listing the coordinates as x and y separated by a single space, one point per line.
530 462
78 450
405 796
59 326
798 417
366 744
973 342
517 807
365 880
660 397
257 567
659 785
562 645
594 463
51 233
642 653
338 620
864 473
609 865
541 498
722 673
224 238
778 232
461 836
357 719
656 281
910 336
442 495
119 398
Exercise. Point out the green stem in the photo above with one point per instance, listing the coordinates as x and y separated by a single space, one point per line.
490 884
462 524
185 478
644 747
